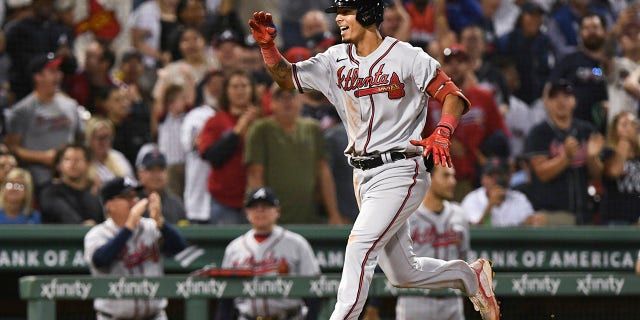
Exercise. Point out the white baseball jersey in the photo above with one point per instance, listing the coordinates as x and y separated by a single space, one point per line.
197 199
141 257
443 236
380 98
283 252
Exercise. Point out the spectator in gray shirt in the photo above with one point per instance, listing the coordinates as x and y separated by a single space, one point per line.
42 121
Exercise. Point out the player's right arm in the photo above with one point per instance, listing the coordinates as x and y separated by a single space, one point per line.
264 32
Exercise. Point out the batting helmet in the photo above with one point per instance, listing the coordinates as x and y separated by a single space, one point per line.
368 11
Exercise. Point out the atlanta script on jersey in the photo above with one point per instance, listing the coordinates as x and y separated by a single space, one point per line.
380 98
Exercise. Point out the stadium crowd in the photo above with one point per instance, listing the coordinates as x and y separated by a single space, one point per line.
174 94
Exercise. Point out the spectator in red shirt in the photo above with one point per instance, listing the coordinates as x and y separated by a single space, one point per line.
481 132
222 142
428 20
86 86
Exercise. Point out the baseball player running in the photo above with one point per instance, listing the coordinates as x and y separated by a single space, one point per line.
439 229
128 244
268 249
380 87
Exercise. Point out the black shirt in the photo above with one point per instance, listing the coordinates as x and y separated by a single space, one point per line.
567 191
60 203
621 198
133 133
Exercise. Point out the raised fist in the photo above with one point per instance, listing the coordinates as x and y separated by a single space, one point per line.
263 29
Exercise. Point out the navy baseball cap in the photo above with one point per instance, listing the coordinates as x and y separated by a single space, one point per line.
263 194
228 35
532 8
44 61
496 165
559 85
117 187
151 158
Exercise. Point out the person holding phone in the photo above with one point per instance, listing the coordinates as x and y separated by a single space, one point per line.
497 205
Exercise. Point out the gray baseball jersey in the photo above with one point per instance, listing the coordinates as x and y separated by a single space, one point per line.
380 98
140 257
443 236
382 102
283 252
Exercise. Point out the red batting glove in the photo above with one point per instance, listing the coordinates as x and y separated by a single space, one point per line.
263 29
437 144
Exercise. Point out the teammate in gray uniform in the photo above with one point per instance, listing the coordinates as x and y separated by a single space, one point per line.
128 244
268 249
439 229
380 88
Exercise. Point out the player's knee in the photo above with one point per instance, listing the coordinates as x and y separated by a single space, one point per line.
400 280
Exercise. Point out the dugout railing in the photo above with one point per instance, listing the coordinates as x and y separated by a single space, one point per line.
41 292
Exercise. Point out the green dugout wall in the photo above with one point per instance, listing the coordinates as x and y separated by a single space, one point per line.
584 269
58 249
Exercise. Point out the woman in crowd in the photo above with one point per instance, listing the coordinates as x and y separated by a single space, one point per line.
221 143
186 72
16 199
107 163
621 160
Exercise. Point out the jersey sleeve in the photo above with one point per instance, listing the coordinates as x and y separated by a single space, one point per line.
537 142
313 73
227 260
95 238
423 69
17 121
309 265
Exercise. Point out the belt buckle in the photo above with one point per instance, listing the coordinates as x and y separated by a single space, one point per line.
265 318
359 162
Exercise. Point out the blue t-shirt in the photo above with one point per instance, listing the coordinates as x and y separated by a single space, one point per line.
34 218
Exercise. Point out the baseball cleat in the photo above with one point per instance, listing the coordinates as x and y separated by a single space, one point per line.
485 300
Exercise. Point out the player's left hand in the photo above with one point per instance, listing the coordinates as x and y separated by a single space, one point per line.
437 144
